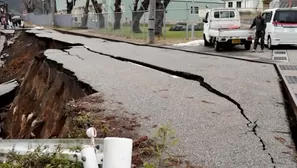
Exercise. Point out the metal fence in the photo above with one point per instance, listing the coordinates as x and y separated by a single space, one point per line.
127 26
189 19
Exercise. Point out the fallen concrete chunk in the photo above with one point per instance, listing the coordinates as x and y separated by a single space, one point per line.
8 87
7 31
2 42
7 92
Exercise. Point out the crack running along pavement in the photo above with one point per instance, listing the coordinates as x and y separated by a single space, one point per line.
193 77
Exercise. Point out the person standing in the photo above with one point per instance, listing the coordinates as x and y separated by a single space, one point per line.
260 24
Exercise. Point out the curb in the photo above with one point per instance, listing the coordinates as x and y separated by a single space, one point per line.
290 90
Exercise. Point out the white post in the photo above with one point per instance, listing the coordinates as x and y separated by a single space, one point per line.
92 133
88 156
117 153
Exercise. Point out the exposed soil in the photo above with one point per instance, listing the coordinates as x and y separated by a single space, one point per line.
89 111
21 54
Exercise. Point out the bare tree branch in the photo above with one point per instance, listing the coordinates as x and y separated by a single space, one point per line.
31 5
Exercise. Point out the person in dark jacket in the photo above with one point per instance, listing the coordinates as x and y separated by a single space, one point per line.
260 24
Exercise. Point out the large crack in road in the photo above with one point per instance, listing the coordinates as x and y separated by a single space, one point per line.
252 125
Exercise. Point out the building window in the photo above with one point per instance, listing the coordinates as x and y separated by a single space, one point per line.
195 10
238 4
230 4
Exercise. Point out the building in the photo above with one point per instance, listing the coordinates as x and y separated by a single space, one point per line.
283 3
177 10
245 5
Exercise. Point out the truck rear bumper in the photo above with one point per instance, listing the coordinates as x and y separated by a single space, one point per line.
234 41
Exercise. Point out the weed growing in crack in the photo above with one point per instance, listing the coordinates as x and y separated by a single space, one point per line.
82 121
164 140
41 157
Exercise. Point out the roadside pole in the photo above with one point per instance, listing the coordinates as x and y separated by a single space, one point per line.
42 7
151 22
53 12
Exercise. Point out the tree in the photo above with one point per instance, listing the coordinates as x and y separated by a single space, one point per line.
98 10
86 14
44 7
117 14
137 14
31 5
160 12
70 5
55 5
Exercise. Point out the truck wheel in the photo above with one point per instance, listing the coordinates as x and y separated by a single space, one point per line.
217 45
247 46
206 43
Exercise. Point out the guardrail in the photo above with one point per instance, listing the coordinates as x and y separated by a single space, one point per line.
109 152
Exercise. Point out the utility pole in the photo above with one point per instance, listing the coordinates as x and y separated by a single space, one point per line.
151 23
53 12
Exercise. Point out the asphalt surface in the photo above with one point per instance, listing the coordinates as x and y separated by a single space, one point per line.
211 129
236 52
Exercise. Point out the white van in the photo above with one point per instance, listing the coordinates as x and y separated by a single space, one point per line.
281 27
222 29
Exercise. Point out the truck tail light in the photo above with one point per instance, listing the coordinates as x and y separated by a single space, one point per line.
250 38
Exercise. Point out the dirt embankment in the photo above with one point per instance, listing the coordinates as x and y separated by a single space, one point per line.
51 102
36 111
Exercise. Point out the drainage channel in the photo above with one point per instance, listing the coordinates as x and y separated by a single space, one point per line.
288 74
280 55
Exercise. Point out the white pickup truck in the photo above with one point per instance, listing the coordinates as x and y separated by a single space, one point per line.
222 29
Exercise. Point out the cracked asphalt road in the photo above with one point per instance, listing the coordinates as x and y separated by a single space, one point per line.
211 129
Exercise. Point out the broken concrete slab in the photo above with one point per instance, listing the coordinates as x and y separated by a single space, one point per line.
8 86
7 31
7 91
2 42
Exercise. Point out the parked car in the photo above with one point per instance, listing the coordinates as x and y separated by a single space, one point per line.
182 26
281 27
222 28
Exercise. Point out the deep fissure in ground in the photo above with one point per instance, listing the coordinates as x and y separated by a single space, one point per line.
52 103
35 109
44 71
252 125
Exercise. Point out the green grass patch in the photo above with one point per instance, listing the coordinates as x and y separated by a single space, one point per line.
170 35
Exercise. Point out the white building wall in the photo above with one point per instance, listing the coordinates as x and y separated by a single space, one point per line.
247 5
